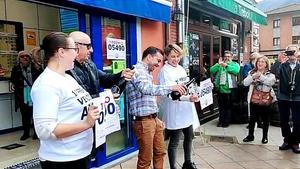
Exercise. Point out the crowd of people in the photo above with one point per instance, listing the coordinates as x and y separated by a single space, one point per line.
50 89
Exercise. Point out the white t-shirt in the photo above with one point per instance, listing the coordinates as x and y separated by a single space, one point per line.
176 114
62 99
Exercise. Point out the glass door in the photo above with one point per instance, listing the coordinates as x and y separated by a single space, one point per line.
114 33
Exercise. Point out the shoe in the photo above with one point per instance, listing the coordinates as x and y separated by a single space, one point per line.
248 138
284 146
264 140
296 148
24 137
225 125
259 125
35 137
219 124
190 165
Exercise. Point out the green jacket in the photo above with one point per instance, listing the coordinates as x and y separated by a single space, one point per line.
231 68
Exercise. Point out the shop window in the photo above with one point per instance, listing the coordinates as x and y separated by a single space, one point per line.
296 21
276 41
68 20
11 42
276 23
296 40
216 49
225 25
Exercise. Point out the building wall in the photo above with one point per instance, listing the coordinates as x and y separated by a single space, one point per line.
36 18
266 35
152 34
285 32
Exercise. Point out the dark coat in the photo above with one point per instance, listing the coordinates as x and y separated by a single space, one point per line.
17 79
91 79
285 73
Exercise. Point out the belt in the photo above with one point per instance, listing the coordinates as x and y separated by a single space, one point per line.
141 118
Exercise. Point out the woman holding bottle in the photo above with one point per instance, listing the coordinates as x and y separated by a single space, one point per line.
177 114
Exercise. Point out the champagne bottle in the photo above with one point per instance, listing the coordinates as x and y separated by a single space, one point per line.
175 95
117 89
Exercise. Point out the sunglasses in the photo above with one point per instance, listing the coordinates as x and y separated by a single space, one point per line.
24 56
88 45
290 52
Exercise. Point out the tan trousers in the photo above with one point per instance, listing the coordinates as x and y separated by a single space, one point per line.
149 133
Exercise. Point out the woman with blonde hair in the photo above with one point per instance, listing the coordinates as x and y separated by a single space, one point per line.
260 80
177 115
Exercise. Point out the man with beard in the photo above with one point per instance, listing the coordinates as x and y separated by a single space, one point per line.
142 95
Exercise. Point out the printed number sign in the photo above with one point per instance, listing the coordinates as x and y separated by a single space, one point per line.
116 48
109 120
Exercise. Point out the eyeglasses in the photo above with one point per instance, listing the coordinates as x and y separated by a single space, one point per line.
76 49
24 56
88 45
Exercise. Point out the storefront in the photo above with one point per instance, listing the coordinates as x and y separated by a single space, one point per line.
213 27
121 20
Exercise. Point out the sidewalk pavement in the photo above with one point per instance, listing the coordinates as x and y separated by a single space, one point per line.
223 148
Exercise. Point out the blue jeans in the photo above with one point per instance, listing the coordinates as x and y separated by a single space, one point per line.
174 141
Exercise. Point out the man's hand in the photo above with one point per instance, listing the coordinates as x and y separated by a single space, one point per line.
223 64
180 88
127 74
160 123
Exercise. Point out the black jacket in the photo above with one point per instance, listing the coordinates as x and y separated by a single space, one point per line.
287 82
17 79
91 79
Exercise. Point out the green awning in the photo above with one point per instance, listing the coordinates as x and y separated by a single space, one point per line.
242 8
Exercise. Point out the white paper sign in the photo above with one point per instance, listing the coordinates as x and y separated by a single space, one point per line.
109 120
116 48
205 93
100 125
112 118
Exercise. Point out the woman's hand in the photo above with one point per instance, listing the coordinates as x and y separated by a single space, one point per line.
93 115
194 98
256 75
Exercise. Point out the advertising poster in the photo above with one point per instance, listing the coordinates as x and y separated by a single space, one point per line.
31 38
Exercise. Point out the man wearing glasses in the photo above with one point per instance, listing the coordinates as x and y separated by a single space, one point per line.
85 71
88 76
289 99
